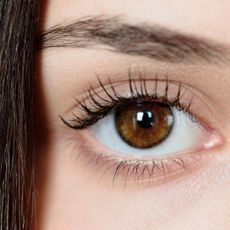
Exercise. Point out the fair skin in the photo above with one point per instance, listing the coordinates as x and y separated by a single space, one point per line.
73 195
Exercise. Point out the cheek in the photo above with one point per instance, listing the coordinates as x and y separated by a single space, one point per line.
75 199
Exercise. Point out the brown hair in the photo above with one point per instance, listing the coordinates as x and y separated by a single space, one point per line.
18 28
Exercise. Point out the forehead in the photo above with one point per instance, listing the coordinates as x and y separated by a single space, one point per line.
206 18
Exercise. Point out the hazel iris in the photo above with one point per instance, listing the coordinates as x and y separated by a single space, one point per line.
144 125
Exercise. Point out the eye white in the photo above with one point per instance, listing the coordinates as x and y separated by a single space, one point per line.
184 136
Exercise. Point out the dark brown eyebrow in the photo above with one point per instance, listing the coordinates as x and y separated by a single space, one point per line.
145 40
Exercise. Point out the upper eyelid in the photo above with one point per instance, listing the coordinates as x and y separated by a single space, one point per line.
102 86
172 75
107 82
96 87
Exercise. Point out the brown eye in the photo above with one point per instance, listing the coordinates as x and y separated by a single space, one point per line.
144 125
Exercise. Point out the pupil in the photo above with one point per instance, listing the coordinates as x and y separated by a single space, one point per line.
145 119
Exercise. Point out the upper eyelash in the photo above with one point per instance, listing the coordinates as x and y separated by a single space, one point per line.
98 110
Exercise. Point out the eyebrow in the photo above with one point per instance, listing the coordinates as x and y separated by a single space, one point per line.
150 41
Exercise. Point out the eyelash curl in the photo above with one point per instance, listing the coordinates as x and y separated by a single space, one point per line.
94 107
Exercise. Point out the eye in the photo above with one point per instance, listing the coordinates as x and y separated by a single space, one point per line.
150 130
143 128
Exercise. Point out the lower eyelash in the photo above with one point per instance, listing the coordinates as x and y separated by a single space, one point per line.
125 173
141 171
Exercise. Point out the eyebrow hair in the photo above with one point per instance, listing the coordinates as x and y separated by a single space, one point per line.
151 41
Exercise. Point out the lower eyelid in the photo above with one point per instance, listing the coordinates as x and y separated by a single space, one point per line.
114 171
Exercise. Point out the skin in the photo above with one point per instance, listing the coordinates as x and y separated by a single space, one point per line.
70 195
